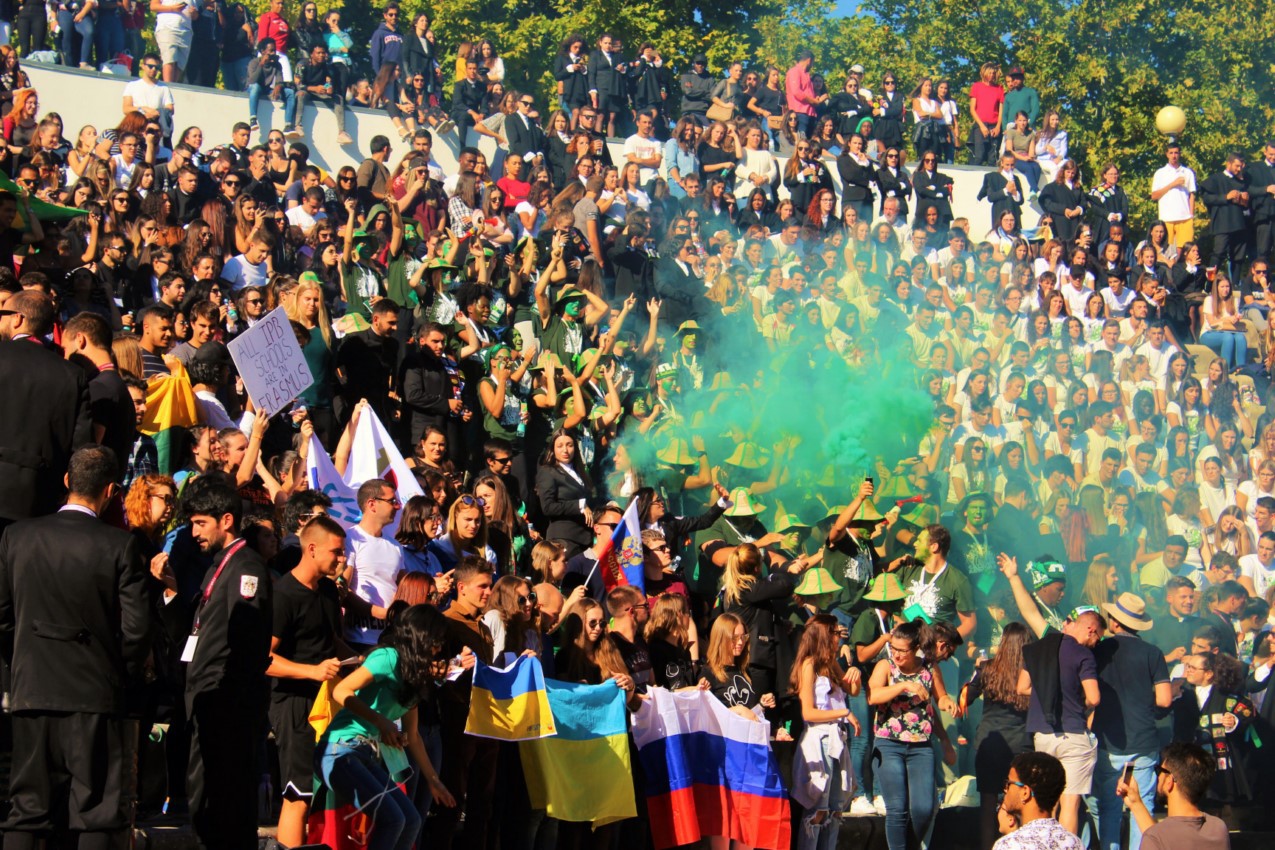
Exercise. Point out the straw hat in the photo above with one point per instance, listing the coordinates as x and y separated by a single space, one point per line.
676 453
885 588
785 521
743 503
868 516
1130 611
815 582
749 455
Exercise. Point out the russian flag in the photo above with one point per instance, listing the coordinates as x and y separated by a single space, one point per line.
709 772
620 557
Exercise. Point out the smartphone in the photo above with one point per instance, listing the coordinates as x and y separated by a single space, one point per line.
869 480
1127 774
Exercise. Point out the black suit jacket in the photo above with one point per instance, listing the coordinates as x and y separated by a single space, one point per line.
1055 199
44 418
995 189
524 139
427 389
933 188
1225 216
74 615
895 186
575 84
233 651
682 294
1260 177
560 496
605 79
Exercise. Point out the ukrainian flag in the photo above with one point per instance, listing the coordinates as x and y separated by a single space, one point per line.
510 704
582 774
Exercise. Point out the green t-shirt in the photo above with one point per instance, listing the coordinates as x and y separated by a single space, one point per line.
382 696
941 598
867 628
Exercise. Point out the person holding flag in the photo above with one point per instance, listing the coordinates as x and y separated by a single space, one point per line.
619 558
580 567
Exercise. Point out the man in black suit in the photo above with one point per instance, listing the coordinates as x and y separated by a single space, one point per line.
468 97
1261 186
522 131
1230 215
369 361
1004 189
227 692
86 341
45 416
678 284
933 189
74 621
429 397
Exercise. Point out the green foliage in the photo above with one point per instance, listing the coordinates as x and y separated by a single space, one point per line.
1106 71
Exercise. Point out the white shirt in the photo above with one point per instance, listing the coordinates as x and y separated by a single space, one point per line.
150 95
298 217
239 272
1175 204
643 149
375 563
212 412
1076 298
1252 569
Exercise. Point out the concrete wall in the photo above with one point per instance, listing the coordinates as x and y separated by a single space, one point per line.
84 97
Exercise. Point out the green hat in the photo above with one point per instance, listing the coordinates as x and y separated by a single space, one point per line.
816 582
440 263
583 356
743 503
676 453
665 370
1045 572
885 588
749 455
686 327
566 296
361 235
785 521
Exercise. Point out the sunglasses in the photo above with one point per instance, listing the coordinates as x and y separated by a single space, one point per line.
151 66
234 183
469 501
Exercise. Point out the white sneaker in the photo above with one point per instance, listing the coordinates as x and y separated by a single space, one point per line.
445 126
861 807
878 805
344 139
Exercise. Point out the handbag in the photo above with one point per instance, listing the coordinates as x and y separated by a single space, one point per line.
775 122
720 113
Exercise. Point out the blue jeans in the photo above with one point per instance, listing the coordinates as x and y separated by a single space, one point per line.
1103 804
66 23
289 102
234 74
432 739
859 744
110 37
1231 346
823 835
1031 172
905 775
353 770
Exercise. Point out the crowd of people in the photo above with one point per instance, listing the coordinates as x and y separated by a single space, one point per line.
1078 495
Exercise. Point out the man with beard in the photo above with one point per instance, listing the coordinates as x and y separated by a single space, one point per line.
1181 784
428 395
227 655
972 551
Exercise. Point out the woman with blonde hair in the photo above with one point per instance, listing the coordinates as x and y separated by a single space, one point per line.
128 355
466 534
727 667
1101 582
306 308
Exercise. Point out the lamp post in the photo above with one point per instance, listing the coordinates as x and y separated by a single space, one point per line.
1170 121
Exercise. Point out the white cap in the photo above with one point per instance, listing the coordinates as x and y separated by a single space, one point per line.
856 69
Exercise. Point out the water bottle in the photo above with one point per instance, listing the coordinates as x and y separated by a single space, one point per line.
232 317
522 419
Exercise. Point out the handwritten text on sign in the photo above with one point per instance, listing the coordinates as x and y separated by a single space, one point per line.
270 362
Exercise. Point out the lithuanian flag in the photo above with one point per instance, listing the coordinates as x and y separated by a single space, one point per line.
170 404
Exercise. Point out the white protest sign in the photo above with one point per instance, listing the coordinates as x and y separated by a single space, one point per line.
270 362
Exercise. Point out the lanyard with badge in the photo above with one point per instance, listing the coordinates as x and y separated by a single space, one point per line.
923 595
188 652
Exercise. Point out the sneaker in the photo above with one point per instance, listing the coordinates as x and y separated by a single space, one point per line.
292 132
253 124
445 126
861 807
344 139
878 805
85 66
